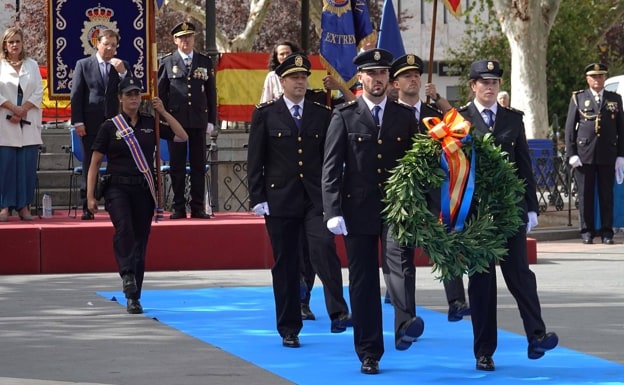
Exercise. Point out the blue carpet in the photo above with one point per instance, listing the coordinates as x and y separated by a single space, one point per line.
241 321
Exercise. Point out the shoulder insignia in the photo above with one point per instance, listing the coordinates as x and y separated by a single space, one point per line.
316 90
464 107
166 55
402 105
322 105
346 104
262 105
578 92
513 110
434 108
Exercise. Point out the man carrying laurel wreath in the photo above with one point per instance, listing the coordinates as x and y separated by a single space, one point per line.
507 128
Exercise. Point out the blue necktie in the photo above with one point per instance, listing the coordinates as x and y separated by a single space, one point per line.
296 115
376 111
489 117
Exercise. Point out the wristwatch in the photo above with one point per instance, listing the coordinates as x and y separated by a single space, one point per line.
436 98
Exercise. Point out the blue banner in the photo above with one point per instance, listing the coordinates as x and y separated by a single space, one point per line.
74 27
344 25
389 33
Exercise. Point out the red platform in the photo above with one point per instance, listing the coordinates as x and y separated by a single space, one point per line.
65 244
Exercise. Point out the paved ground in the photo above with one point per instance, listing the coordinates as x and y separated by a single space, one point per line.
55 330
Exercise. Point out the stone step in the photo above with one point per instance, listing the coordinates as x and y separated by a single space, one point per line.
55 161
55 140
54 178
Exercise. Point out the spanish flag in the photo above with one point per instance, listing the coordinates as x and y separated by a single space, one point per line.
454 7
240 77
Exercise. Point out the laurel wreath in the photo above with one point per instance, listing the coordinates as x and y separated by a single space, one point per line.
495 214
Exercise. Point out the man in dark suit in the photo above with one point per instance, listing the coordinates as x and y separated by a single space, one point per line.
595 145
406 74
94 97
507 127
285 155
186 85
365 139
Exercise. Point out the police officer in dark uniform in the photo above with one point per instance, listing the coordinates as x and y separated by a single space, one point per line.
128 199
406 74
595 145
285 155
506 125
365 139
186 85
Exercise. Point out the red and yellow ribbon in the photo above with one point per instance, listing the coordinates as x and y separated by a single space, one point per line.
449 132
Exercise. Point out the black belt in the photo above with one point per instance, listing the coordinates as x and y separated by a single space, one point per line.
131 180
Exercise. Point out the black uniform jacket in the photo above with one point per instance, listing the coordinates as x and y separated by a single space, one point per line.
595 133
358 158
284 163
190 96
508 133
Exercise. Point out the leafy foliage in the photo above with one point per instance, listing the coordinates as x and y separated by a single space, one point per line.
495 213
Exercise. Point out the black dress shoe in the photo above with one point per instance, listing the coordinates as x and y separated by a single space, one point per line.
200 215
587 238
485 363
178 215
134 306
539 345
129 285
457 311
87 216
607 240
340 324
370 366
306 313
409 332
291 341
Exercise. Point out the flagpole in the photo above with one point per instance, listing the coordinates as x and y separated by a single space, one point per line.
153 81
432 44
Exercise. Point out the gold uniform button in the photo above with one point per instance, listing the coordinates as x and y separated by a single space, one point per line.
300 163
316 136
348 195
299 139
379 141
299 151
378 171
379 156
301 176
188 86
398 139
279 134
359 139
272 185
189 103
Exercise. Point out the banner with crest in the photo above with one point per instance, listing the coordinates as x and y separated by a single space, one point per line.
73 27
344 24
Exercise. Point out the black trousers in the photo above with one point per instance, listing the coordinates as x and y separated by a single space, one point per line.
87 152
588 177
131 208
522 285
364 293
197 162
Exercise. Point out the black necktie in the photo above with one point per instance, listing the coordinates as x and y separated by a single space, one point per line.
297 116
376 111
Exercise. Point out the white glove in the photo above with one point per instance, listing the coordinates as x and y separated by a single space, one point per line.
532 221
261 209
619 175
209 128
337 225
575 161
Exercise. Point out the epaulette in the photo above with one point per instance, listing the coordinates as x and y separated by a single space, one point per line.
464 107
577 92
513 110
346 104
167 54
203 53
403 105
262 105
434 107
316 90
322 105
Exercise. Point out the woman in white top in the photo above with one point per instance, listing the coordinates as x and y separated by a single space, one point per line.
272 88
20 125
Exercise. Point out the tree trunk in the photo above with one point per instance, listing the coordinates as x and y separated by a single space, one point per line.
527 24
